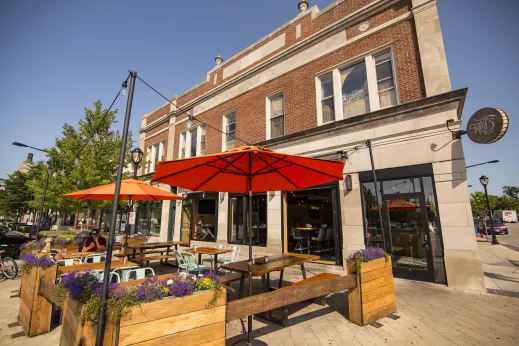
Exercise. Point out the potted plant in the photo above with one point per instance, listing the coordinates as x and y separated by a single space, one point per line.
184 309
374 296
35 311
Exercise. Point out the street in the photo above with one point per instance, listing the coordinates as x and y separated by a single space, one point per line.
512 238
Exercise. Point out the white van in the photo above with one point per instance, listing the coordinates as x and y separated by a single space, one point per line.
506 215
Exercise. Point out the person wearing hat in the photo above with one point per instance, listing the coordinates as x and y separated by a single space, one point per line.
95 242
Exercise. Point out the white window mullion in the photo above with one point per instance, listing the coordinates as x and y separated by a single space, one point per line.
371 74
152 158
161 151
337 94
198 140
319 105
268 114
188 143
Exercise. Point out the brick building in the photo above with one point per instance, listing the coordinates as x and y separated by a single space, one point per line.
322 85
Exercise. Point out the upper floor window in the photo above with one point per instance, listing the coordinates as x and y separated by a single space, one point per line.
230 130
360 88
277 115
183 145
327 102
193 135
155 153
202 140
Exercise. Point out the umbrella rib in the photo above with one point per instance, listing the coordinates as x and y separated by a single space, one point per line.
230 163
226 170
278 172
185 170
272 170
269 165
221 169
305 167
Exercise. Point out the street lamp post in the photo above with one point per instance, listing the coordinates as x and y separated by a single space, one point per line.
44 186
484 163
136 160
484 181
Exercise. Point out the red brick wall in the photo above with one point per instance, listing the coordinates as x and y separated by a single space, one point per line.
159 113
299 88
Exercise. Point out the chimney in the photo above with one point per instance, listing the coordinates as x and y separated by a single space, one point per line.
218 60
302 5
29 157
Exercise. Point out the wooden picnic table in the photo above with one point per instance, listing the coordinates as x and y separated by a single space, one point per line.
211 251
157 245
275 263
72 254
161 277
94 266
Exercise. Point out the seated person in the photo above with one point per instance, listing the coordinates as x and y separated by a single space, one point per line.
95 242
49 241
203 232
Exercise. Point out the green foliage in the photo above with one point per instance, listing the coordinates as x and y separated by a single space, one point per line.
14 200
479 203
59 234
97 165
511 191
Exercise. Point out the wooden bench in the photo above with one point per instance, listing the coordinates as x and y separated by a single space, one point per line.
146 259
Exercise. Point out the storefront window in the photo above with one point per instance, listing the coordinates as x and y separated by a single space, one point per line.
238 222
204 220
372 220
311 223
120 221
434 231
149 218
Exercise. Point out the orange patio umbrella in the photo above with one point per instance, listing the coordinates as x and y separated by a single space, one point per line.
247 170
131 190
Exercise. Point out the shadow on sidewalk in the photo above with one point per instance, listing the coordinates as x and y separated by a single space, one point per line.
501 277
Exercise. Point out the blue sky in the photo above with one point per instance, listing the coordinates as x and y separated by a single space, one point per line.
58 57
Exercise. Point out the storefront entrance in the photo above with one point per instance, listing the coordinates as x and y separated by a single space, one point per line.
312 224
410 229
199 217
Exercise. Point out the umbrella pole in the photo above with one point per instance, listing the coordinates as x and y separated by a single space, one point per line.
128 226
249 318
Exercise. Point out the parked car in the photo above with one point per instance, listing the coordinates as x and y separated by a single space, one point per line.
499 227
10 241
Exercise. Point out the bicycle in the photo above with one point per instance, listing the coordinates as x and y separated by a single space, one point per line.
8 266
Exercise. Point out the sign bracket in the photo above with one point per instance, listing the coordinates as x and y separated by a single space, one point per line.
455 134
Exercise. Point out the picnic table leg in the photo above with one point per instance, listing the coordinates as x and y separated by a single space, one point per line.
264 283
268 281
199 258
242 281
280 279
303 271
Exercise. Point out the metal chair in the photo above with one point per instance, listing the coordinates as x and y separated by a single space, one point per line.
319 240
330 239
68 262
95 258
122 271
112 276
192 266
140 273
181 261
211 258
296 235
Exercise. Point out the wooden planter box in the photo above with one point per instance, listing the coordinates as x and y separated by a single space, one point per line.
35 311
172 321
374 296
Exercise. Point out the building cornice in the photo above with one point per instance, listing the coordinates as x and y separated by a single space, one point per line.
420 105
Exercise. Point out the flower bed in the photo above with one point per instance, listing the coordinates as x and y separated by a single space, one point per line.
374 296
183 310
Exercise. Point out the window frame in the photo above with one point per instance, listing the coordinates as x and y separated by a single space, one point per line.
374 102
225 125
268 113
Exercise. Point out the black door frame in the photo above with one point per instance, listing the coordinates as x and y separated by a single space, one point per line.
425 231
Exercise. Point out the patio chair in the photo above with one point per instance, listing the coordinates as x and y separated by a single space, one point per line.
122 271
140 273
181 261
113 277
296 235
211 258
234 255
329 239
68 262
95 258
320 239
192 266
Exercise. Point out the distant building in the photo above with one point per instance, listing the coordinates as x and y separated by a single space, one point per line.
321 85
26 165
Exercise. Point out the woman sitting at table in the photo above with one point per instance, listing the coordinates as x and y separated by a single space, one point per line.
203 232
95 242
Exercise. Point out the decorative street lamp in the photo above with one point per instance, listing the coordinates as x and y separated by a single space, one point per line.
484 181
484 163
44 186
136 159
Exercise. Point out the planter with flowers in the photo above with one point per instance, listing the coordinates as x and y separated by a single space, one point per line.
35 311
374 296
183 310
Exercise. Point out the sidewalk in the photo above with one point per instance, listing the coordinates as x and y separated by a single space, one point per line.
501 267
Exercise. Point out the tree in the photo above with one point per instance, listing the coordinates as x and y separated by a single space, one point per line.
14 200
511 191
479 203
97 163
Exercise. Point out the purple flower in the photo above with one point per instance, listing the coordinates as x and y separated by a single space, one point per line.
38 260
33 245
152 289
367 255
213 275
182 286
81 286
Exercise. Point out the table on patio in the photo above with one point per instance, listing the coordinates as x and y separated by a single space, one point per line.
263 269
63 270
308 230
153 246
72 254
211 251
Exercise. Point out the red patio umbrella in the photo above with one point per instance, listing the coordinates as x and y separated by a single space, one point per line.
247 170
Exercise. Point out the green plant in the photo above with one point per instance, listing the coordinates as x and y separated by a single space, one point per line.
366 255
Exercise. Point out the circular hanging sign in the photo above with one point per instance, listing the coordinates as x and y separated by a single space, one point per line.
487 125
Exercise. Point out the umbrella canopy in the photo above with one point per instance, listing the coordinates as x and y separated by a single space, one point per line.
131 189
248 169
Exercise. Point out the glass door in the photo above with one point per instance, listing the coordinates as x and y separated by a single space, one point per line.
407 234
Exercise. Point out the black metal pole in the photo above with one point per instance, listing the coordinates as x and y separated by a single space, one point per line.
249 318
43 200
106 274
494 238
368 144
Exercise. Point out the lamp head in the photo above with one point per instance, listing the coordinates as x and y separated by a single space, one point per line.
19 144
483 180
124 87
137 156
493 161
